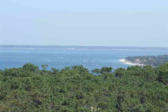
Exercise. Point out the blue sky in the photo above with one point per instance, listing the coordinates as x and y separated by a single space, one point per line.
84 22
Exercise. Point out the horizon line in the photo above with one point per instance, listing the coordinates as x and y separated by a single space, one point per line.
102 46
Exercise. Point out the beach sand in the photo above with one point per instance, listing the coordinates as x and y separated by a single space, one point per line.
130 63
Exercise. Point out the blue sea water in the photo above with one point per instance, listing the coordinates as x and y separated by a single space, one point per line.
63 56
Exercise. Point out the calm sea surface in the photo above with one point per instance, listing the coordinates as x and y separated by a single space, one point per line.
60 57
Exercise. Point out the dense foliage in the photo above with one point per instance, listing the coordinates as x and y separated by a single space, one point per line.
149 60
75 89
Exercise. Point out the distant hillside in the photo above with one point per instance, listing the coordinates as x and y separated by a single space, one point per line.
149 60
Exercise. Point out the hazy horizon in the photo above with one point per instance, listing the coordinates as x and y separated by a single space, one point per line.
82 46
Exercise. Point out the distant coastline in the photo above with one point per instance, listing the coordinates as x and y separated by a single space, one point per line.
130 63
80 46
146 60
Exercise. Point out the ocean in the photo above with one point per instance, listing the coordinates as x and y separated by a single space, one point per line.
63 56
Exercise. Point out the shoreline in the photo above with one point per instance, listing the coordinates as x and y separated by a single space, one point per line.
130 63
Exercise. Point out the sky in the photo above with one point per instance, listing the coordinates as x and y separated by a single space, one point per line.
142 23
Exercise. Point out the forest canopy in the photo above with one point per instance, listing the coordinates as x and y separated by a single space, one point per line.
76 89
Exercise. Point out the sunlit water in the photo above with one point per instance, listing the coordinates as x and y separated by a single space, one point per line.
60 57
